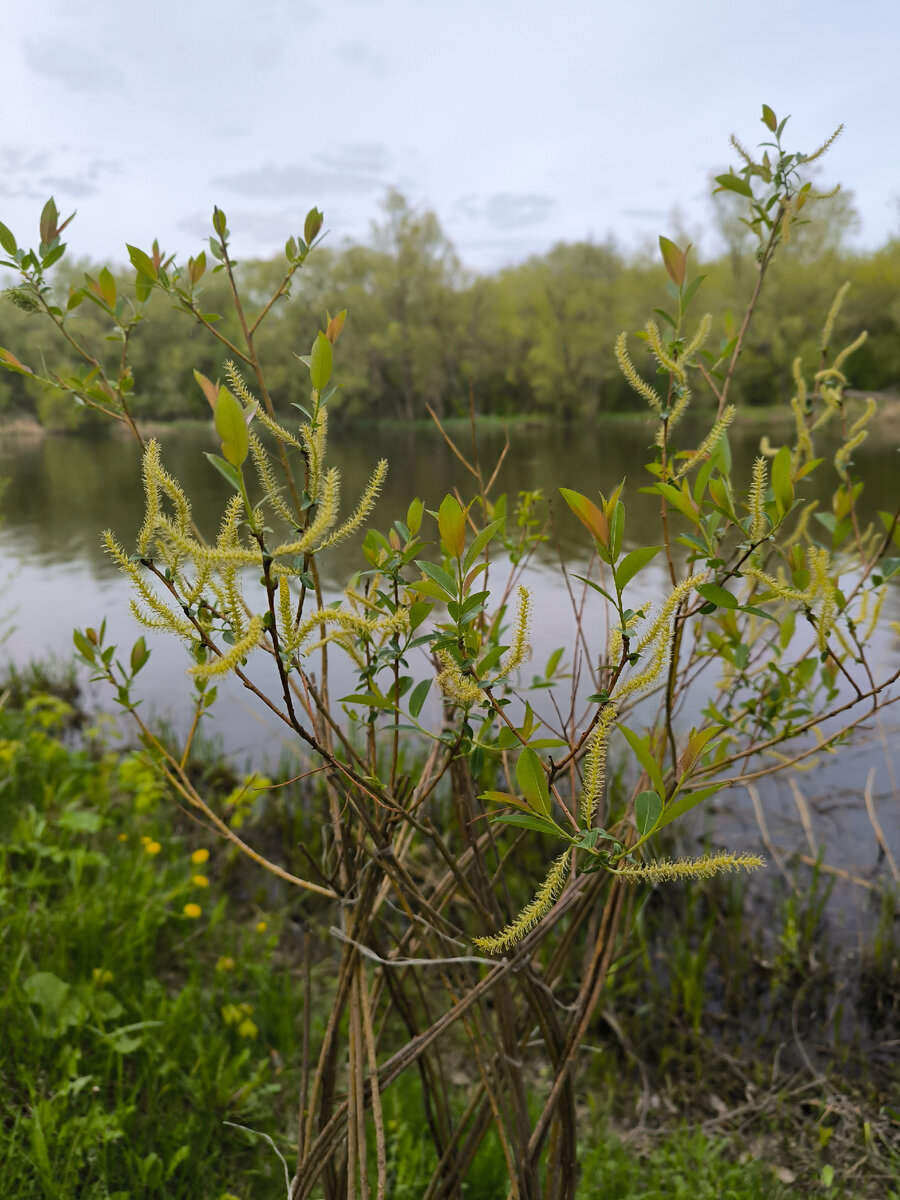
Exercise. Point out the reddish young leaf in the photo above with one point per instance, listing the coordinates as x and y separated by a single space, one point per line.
588 513
674 260
210 390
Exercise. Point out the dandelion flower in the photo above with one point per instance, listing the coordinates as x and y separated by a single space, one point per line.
123 837
192 910
262 926
226 963
199 881
199 857
247 1028
152 847
100 976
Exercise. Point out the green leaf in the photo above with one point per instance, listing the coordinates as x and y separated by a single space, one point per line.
80 821
46 990
677 499
312 225
769 119
414 516
139 655
142 263
532 780
633 562
107 285
231 427
49 222
231 473
369 699
641 748
887 520
734 183
647 808
7 241
321 358
596 586
442 578
83 646
452 525
616 530
427 587
690 291
53 257
418 696
480 542
526 821
675 260
684 802
716 595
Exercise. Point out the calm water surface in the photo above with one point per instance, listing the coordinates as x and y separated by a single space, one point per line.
54 575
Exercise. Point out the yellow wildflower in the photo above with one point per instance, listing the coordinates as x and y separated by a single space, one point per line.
199 881
262 926
192 910
152 847
199 856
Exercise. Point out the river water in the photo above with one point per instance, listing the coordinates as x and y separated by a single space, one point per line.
54 575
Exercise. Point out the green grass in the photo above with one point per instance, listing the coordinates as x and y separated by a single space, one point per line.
134 1028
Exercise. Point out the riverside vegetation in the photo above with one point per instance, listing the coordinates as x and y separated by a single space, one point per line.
533 338
436 774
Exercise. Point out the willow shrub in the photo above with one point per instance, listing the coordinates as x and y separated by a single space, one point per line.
769 606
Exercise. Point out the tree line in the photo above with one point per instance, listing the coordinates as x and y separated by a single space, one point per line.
529 340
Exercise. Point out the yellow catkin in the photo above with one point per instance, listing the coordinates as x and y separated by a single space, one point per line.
455 684
848 350
323 521
803 521
676 412
266 477
828 327
657 639
759 522
780 589
822 589
736 145
277 431
533 912
669 870
825 147
285 614
699 338
595 764
875 615
521 647
239 387
709 443
626 366
160 616
664 359
362 510
241 648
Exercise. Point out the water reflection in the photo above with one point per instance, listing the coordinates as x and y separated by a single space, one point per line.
62 491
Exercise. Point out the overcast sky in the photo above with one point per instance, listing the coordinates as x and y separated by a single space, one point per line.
520 122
